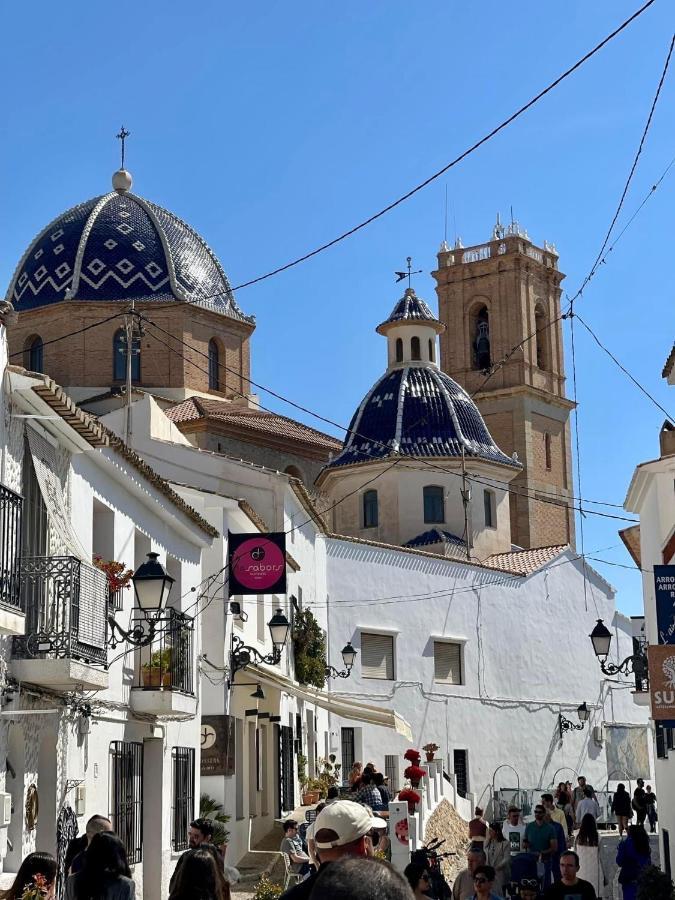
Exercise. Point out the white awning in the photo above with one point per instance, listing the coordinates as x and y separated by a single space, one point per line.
346 707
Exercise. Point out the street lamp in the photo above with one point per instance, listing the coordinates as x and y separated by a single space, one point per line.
348 658
601 638
152 585
567 725
242 655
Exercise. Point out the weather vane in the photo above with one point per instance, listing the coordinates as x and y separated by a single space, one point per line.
401 275
122 136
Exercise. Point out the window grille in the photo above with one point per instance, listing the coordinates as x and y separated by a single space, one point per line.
392 772
461 770
434 504
126 796
370 511
377 656
10 546
182 811
447 662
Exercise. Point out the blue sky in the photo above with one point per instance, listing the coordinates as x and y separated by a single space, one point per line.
272 127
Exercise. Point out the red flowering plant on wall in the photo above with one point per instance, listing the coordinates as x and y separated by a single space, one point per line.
37 889
413 756
415 774
118 577
412 798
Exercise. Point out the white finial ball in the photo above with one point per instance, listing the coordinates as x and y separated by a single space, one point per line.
122 181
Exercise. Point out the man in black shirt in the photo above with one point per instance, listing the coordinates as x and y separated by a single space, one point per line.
341 829
570 887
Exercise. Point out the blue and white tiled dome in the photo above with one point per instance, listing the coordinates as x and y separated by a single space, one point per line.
119 247
415 409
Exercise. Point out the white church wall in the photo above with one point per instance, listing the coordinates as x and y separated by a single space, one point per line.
526 658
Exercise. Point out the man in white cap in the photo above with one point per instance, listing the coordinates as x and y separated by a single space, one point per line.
341 829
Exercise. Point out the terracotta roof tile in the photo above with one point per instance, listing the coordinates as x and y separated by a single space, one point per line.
252 420
525 562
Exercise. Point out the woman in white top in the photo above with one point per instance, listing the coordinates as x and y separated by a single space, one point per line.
586 846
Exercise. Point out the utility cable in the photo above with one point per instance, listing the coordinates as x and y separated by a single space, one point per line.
71 333
495 131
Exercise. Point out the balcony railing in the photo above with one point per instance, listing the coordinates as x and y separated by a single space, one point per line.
66 606
10 547
167 663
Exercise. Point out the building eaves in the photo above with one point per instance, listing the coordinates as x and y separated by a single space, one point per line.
631 538
307 503
98 435
670 364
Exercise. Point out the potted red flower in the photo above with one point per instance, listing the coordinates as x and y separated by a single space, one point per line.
413 756
430 749
412 798
415 774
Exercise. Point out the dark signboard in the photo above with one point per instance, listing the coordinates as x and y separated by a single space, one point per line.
664 589
662 683
217 743
257 563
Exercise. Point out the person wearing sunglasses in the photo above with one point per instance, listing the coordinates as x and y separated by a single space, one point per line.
528 889
483 882
418 879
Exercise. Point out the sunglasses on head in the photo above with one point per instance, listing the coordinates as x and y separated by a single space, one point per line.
529 883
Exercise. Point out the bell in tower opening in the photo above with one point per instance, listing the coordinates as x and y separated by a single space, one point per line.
481 344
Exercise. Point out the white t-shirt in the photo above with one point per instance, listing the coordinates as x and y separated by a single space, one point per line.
514 834
587 805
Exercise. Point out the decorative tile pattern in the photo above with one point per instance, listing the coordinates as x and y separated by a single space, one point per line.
418 411
434 536
410 307
124 256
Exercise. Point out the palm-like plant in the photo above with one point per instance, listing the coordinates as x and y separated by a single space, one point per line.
211 809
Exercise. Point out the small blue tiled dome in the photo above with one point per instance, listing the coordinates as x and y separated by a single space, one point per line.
418 411
120 247
410 308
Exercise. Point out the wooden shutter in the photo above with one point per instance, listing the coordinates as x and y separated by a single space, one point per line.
447 662
377 656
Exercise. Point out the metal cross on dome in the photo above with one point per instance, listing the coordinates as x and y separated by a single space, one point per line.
401 275
122 136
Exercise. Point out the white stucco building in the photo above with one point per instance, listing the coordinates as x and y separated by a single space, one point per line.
88 728
652 543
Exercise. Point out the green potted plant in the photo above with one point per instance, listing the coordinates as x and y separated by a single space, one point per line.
309 649
157 671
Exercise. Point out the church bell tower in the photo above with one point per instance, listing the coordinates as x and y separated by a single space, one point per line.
492 297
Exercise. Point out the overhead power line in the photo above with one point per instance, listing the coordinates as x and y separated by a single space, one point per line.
462 156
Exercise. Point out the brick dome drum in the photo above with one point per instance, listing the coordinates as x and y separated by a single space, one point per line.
119 247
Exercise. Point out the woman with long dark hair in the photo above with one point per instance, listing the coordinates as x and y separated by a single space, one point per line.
105 873
37 870
621 807
198 877
586 845
634 855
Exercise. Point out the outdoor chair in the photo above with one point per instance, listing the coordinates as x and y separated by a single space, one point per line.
289 876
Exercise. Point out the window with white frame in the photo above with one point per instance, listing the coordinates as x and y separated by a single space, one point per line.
377 656
448 662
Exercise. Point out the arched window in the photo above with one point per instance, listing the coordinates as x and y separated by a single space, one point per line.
120 357
490 509
370 516
214 366
431 351
399 350
415 348
434 504
33 354
481 339
541 333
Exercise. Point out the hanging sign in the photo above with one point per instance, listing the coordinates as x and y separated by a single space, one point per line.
662 683
257 563
217 745
664 590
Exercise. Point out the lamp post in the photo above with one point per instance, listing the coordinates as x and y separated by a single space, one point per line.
348 658
242 655
152 586
565 724
636 663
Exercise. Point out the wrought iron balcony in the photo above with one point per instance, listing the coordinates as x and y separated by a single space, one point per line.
167 663
66 606
11 505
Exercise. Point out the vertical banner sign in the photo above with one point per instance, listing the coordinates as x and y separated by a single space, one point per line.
662 683
664 590
257 563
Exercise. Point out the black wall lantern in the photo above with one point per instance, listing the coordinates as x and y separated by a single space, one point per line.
567 725
242 655
348 658
601 638
152 586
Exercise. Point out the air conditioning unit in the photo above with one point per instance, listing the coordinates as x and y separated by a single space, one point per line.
5 809
80 799
599 734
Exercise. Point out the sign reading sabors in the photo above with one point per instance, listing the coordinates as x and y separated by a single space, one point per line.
257 563
662 681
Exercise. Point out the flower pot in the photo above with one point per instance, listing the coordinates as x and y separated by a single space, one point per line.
153 677
415 784
307 798
430 755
